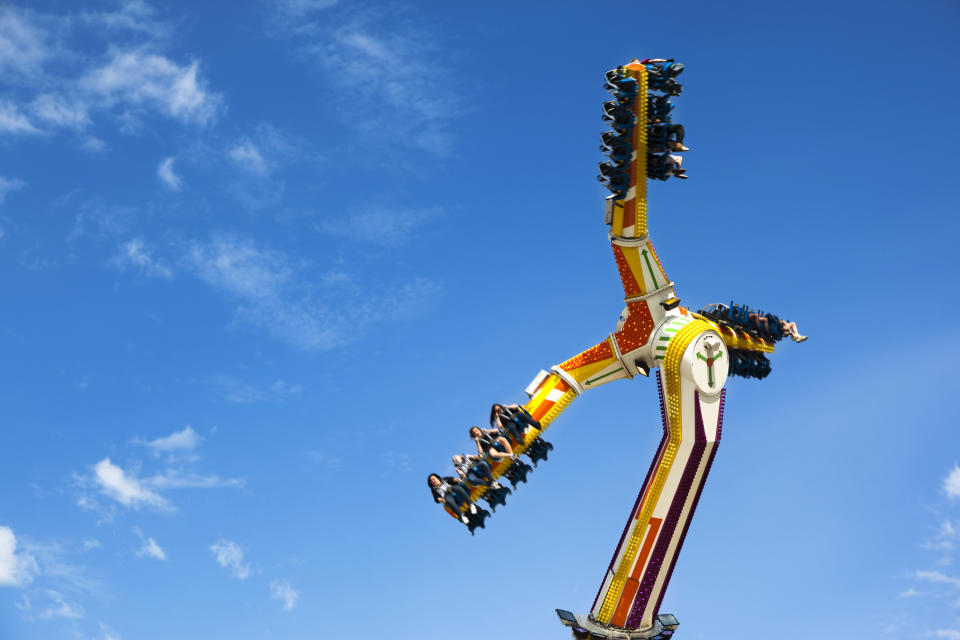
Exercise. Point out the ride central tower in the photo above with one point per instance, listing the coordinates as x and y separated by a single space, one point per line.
690 353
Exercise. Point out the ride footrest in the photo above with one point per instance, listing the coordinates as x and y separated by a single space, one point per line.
537 450
476 519
496 496
517 472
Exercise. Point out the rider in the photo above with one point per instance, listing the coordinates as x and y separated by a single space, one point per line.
513 419
491 443
474 469
450 491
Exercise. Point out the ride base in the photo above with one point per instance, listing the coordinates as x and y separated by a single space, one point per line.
584 627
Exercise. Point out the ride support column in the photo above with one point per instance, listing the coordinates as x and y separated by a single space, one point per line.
693 361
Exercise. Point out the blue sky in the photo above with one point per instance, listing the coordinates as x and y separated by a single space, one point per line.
264 263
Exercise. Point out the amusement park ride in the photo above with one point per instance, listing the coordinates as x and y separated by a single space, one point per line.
692 353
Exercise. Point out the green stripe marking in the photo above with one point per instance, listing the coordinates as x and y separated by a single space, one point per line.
603 376
646 259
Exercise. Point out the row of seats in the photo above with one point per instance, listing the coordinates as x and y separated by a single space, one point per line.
510 423
663 135
749 364
765 325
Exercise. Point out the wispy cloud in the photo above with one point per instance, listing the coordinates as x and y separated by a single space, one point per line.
12 120
125 487
381 225
134 489
174 479
951 484
909 593
414 105
108 633
24 45
59 112
167 176
149 546
147 79
323 458
58 607
937 577
134 254
282 591
8 185
49 563
246 155
179 441
399 461
316 316
229 555
245 393
134 16
16 568
298 9
131 81
949 634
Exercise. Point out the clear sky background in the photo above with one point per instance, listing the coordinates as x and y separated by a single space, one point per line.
263 263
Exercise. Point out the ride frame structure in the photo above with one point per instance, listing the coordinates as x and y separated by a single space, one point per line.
690 355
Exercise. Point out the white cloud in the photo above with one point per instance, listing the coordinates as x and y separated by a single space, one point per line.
951 484
58 112
133 15
16 569
173 479
91 543
937 577
125 488
23 46
239 267
381 225
277 391
108 633
150 547
8 185
299 8
414 104
248 157
229 555
148 79
950 634
317 315
13 121
130 79
281 590
134 254
60 608
184 440
93 145
324 459
909 593
166 174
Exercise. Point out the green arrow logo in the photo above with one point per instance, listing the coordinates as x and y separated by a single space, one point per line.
710 362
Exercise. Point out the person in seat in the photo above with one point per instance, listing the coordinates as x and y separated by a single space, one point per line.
491 444
666 136
512 419
450 492
791 329
474 469
760 321
661 167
